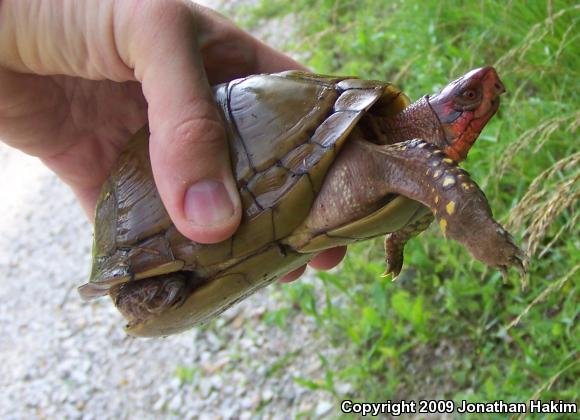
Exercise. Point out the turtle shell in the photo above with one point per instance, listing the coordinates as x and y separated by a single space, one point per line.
284 132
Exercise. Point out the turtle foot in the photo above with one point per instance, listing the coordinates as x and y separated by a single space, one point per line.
512 255
496 248
142 300
395 244
393 257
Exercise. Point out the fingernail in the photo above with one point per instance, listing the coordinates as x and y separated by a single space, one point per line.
208 203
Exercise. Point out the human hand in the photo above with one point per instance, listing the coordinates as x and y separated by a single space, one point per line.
77 79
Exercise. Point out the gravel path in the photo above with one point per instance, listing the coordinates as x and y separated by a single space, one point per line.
65 358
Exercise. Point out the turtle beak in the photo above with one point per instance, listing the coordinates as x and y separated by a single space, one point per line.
488 76
492 89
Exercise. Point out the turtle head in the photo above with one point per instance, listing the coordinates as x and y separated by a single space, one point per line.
464 106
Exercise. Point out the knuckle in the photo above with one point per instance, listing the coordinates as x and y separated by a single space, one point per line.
170 12
198 140
205 134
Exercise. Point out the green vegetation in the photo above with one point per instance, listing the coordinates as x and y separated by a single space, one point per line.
448 327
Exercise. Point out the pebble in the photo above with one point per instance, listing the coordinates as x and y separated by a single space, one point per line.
267 395
322 408
176 403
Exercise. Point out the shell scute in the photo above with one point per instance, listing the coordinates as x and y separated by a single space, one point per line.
270 185
151 253
272 115
357 100
335 128
253 234
353 83
139 210
296 206
303 157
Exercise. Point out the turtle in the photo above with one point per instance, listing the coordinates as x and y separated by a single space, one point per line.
320 161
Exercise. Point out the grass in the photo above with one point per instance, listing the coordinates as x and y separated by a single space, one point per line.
449 327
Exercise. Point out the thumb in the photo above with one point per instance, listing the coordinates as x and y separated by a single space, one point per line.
188 146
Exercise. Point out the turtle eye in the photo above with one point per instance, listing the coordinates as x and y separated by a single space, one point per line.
467 99
469 94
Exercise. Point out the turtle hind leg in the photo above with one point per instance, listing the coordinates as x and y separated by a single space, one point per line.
395 244
141 300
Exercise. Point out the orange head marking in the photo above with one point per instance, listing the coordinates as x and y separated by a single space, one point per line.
464 106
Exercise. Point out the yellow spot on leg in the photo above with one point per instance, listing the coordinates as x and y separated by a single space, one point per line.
443 226
436 199
447 160
450 207
449 180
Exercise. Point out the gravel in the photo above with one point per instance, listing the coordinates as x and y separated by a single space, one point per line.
65 358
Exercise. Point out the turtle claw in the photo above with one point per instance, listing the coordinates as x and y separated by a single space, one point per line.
390 272
394 262
520 262
509 254
504 272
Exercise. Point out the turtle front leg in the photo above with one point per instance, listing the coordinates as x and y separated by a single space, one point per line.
395 243
421 171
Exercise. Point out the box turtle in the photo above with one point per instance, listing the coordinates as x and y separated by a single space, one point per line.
320 161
